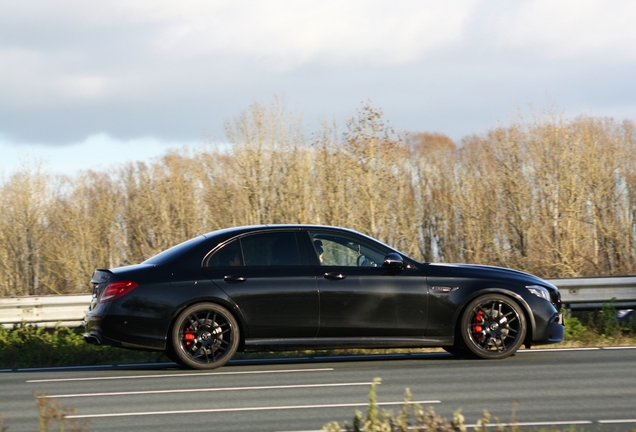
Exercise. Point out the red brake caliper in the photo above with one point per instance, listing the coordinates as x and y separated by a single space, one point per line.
478 320
188 336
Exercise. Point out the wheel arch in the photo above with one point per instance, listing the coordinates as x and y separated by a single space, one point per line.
230 307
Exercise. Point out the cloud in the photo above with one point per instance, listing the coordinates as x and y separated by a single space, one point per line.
76 53
173 70
38 80
327 32
571 28
290 32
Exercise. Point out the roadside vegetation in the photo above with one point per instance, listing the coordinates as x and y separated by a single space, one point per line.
414 418
27 346
52 417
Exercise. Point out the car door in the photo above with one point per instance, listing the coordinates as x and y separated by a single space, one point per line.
359 297
271 282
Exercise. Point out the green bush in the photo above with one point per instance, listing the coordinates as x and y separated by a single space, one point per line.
578 333
31 346
593 328
606 324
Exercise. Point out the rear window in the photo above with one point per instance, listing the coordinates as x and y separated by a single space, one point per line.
175 251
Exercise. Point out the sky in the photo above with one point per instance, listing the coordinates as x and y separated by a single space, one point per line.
89 85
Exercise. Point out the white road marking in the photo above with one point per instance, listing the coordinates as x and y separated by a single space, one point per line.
619 348
538 350
147 392
617 421
63 368
221 410
557 350
122 377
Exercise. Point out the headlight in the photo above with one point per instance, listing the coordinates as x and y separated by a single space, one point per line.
539 291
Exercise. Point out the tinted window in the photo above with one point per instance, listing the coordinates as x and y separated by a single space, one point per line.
343 250
266 249
228 255
270 249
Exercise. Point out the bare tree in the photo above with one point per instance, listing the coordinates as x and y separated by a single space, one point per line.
24 199
550 195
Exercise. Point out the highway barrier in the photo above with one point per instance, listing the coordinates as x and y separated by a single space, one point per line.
68 310
592 293
45 311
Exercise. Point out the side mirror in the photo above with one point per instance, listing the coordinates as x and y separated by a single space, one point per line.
394 261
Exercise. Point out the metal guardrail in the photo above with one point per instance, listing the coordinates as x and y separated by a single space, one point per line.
68 310
45 311
591 293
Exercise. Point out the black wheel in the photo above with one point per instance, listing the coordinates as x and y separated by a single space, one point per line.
205 336
493 326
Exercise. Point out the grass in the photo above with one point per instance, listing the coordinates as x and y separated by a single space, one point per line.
27 346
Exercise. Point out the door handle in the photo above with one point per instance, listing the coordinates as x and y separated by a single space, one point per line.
334 276
234 279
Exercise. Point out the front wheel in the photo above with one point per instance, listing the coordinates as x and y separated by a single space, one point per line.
493 326
205 336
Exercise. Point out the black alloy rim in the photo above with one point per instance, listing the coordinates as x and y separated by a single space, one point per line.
206 336
494 326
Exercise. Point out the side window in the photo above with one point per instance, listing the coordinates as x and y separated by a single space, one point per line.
342 250
271 249
228 255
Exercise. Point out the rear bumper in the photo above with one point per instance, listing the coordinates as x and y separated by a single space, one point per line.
121 331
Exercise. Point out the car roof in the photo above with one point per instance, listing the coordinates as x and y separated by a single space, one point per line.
249 228
227 233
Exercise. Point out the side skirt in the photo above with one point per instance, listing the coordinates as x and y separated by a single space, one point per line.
255 345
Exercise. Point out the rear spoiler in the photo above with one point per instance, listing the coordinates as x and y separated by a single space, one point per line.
101 276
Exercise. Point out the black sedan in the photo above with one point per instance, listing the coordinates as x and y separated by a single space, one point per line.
281 287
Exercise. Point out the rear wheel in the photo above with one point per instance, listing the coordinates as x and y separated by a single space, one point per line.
493 326
205 336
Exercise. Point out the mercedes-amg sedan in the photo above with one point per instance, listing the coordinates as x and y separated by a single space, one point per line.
282 287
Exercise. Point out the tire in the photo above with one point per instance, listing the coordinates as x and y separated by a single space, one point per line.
493 326
205 336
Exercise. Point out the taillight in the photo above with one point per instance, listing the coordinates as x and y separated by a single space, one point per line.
114 290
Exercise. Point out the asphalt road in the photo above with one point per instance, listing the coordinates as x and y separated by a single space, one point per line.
592 388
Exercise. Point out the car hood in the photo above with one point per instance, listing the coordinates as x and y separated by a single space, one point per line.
484 271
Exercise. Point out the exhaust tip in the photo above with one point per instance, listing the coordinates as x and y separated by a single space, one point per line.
92 339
